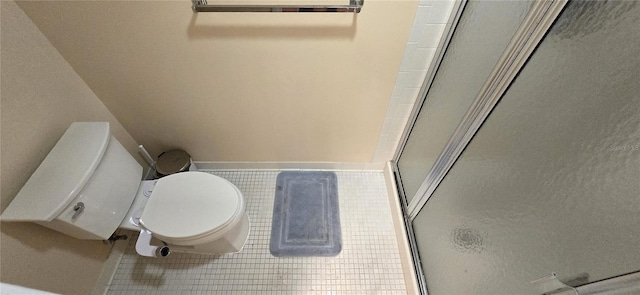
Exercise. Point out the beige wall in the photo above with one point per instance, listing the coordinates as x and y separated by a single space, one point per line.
236 87
40 96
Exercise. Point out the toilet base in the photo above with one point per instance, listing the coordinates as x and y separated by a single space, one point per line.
232 242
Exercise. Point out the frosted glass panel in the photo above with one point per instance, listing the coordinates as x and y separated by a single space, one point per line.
484 30
551 182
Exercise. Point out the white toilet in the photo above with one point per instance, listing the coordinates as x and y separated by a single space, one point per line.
89 185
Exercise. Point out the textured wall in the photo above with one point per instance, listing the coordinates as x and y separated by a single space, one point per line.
236 87
41 96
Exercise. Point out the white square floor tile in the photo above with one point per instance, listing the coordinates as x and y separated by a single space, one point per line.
368 264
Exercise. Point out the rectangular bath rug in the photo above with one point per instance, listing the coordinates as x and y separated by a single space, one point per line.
306 217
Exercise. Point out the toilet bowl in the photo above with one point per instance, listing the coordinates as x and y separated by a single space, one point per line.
192 212
86 188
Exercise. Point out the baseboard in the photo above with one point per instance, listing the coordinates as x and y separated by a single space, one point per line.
110 266
334 166
410 278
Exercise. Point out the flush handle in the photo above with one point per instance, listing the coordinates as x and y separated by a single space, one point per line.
79 208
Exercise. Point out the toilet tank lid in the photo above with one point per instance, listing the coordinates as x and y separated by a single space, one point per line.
61 175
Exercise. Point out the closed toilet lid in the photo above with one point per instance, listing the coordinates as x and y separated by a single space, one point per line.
190 204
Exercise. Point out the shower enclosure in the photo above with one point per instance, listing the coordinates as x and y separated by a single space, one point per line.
521 171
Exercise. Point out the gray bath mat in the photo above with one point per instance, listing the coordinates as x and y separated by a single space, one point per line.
306 217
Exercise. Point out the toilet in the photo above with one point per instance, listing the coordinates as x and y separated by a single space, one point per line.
88 186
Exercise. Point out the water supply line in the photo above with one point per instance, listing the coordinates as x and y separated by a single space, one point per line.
146 156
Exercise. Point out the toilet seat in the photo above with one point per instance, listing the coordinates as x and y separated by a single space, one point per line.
191 207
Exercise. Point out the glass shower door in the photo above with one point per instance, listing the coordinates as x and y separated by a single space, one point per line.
551 181
482 33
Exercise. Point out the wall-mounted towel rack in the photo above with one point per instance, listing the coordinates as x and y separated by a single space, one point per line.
203 6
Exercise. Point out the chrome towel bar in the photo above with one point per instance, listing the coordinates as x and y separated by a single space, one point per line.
203 6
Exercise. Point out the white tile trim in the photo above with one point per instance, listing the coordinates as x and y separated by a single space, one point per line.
333 166
110 267
410 277
426 32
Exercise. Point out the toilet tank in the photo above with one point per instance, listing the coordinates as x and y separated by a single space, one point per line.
83 188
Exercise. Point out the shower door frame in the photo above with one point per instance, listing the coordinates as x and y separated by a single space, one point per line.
530 33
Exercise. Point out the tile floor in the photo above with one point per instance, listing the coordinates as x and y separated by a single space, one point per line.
368 264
